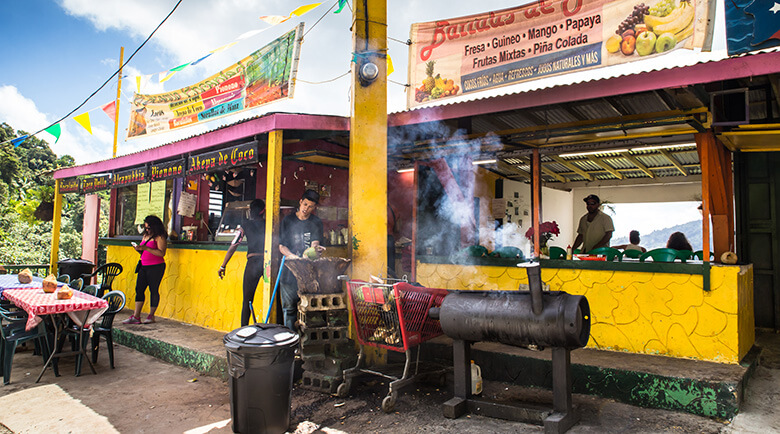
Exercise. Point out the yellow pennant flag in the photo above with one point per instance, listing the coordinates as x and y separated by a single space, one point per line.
224 47
83 120
303 9
166 75
138 83
390 68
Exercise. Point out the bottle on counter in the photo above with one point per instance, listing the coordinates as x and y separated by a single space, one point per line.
476 379
568 252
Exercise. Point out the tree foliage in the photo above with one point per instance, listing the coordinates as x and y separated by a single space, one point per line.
26 182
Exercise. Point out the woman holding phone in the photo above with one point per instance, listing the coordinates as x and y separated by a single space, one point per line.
154 243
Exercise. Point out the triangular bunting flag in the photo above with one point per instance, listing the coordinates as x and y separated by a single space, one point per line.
342 3
180 67
274 19
390 68
224 47
165 76
250 33
303 9
17 141
55 130
110 110
83 120
200 60
138 84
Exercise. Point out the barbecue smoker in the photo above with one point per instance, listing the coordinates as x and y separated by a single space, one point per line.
531 319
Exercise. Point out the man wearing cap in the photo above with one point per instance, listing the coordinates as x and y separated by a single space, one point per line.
595 228
298 232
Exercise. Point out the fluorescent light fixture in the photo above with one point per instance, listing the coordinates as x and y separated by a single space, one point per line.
651 148
604 151
411 169
478 162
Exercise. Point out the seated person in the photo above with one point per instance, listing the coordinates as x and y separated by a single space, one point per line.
633 238
677 241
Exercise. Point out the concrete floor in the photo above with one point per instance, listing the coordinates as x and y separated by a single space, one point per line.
145 395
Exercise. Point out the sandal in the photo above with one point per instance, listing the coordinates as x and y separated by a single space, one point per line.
149 320
132 320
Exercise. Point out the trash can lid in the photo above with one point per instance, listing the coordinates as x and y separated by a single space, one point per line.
261 335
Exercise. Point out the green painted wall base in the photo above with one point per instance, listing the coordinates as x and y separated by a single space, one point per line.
714 398
203 363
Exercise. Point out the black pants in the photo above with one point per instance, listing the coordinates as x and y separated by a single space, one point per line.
252 274
151 276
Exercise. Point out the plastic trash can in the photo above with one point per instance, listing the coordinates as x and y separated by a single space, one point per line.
260 362
75 268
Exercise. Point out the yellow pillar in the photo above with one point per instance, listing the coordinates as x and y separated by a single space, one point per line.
55 229
368 148
273 197
368 143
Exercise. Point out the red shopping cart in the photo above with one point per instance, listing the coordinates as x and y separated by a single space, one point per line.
393 316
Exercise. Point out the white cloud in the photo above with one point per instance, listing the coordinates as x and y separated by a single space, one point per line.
21 113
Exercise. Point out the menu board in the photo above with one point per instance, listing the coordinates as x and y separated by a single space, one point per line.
142 203
150 200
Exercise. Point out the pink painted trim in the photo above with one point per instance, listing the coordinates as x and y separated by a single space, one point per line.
243 130
739 67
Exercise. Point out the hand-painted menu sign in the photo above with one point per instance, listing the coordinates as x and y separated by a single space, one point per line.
451 57
240 155
166 170
126 178
95 183
69 185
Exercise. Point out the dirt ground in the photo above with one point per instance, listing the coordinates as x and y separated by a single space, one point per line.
145 395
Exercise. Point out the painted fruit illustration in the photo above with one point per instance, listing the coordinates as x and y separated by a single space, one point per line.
655 29
613 43
434 86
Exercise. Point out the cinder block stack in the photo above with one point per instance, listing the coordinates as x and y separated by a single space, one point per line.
323 320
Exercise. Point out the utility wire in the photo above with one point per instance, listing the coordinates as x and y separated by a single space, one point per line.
318 21
112 75
323 82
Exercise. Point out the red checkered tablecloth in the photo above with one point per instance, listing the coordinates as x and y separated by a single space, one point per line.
37 303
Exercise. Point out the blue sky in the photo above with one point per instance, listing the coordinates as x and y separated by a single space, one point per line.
56 52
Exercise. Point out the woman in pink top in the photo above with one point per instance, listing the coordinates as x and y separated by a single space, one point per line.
152 248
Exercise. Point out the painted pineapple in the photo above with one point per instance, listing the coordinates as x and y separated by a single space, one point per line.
429 81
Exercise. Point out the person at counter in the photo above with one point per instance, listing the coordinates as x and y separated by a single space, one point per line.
299 231
595 228
678 241
633 239
154 244
253 227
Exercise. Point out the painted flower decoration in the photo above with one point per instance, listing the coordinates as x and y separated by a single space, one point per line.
547 230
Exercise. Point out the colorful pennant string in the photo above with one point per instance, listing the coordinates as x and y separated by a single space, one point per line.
55 130
83 120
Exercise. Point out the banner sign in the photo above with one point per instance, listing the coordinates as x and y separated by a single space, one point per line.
752 25
95 183
547 37
166 170
266 75
223 159
126 178
69 185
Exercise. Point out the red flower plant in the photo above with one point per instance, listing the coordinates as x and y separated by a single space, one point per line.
546 229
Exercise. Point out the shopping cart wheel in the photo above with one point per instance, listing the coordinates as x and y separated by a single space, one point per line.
343 390
388 404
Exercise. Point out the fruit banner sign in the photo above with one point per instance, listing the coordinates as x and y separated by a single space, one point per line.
548 37
266 75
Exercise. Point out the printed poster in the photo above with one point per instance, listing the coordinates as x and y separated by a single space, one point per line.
264 76
456 56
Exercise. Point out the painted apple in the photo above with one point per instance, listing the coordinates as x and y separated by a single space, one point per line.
665 42
645 43
613 43
627 45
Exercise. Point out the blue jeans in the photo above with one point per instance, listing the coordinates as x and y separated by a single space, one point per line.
289 296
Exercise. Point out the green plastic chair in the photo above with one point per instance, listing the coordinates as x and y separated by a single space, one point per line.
609 252
684 255
557 253
64 278
699 254
660 255
508 252
631 253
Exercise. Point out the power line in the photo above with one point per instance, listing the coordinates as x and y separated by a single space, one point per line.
112 75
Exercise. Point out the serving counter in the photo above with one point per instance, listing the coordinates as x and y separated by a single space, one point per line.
191 291
691 310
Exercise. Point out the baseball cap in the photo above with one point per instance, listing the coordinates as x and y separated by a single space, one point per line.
592 197
311 195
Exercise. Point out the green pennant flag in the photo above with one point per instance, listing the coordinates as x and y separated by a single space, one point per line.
55 130
342 3
180 67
